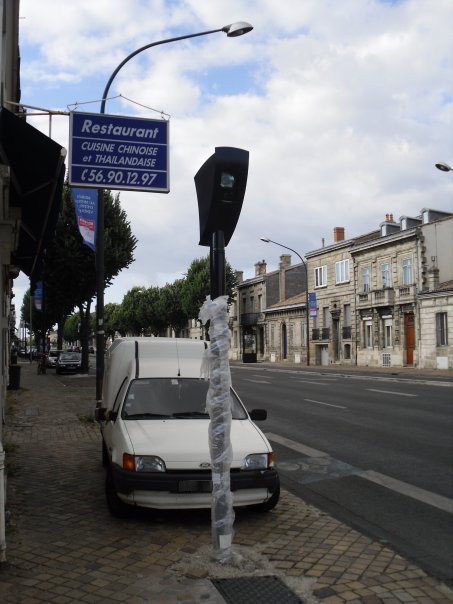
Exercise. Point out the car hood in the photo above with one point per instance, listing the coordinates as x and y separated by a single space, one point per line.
184 444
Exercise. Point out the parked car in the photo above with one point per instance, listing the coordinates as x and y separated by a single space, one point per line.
52 356
68 362
154 428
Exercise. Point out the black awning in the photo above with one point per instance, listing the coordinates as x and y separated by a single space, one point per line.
37 173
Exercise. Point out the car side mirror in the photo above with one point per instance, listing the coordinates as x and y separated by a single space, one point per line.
258 415
99 414
111 416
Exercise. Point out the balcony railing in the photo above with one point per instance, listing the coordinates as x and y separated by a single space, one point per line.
383 297
250 318
325 333
347 332
406 293
315 334
364 299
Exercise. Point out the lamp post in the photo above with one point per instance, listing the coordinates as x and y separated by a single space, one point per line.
267 240
233 30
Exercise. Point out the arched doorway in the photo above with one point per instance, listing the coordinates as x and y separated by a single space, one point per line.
284 342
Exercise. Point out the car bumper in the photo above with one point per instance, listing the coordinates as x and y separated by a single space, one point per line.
185 490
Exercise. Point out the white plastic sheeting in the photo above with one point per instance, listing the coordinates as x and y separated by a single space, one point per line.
216 366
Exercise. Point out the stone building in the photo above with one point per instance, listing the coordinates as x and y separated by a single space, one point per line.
435 298
252 324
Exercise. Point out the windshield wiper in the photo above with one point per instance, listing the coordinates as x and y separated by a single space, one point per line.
190 414
146 416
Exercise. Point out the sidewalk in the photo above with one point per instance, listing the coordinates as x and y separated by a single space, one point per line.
63 546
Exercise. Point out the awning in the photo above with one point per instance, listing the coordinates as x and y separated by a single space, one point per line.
36 177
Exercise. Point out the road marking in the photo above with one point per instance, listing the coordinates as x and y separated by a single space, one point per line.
390 392
437 501
291 444
310 400
311 382
256 381
404 488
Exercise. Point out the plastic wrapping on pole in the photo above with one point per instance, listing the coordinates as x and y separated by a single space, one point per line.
218 404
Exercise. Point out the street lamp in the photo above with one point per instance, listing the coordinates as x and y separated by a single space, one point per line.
267 240
233 30
444 167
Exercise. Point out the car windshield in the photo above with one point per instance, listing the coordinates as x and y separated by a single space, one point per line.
171 398
69 356
53 353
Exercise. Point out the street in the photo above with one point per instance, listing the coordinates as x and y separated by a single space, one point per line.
374 451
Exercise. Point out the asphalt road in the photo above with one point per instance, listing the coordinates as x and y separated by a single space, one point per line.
374 451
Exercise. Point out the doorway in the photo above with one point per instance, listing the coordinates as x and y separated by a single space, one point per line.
409 334
324 355
284 342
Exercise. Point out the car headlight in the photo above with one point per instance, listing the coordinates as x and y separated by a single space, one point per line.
143 463
258 461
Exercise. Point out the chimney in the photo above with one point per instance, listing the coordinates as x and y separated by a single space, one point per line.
260 268
338 234
387 218
239 276
433 277
285 260
391 218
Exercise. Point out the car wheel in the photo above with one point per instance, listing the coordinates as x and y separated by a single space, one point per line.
117 508
105 455
270 504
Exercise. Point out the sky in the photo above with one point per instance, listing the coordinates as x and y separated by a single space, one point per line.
344 106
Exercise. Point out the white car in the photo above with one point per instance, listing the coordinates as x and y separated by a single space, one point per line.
154 430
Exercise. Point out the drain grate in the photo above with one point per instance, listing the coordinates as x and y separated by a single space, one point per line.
256 590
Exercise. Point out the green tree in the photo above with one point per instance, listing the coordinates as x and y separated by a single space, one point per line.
130 317
69 273
151 316
170 305
197 286
71 331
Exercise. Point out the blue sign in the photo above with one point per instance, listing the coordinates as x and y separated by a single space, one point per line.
313 309
38 295
86 208
117 152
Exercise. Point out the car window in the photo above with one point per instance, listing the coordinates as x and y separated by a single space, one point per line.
69 356
175 398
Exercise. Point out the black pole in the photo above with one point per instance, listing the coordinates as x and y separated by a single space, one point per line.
217 264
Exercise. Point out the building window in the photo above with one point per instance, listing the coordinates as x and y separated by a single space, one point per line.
291 334
252 304
342 271
385 274
347 351
368 334
244 301
321 276
407 271
272 335
388 338
441 329
235 339
347 315
325 316
260 303
366 279
303 333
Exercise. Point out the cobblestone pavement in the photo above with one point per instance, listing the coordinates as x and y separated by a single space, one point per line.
63 546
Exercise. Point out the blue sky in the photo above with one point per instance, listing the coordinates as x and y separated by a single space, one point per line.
344 107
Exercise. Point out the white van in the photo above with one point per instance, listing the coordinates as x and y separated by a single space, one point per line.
154 430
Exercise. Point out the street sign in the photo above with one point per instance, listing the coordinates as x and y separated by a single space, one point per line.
38 295
117 152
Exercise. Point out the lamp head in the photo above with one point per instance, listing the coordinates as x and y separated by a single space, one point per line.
265 239
237 29
444 167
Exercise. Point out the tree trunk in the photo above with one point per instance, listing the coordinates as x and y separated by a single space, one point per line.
84 333
61 322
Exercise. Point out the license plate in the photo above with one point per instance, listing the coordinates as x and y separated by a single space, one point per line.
195 486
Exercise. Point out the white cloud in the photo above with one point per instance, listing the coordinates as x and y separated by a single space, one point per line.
352 109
